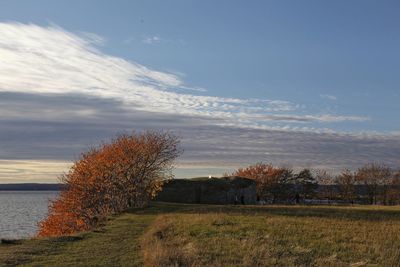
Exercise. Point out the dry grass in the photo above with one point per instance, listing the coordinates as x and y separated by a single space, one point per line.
207 235
299 236
162 247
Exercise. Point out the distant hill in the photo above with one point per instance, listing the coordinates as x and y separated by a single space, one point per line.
31 187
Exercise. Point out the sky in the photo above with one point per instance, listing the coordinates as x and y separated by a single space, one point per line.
294 83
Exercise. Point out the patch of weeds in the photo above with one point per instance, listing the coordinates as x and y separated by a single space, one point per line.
69 238
10 241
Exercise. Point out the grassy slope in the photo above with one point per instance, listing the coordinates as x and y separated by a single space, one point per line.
201 235
116 244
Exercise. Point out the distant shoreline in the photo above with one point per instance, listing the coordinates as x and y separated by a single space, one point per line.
31 187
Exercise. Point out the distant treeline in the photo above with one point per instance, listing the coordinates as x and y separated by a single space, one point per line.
370 184
31 187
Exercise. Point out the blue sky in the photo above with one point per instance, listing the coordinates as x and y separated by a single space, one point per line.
318 75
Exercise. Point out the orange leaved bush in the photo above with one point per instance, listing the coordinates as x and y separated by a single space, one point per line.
109 179
272 182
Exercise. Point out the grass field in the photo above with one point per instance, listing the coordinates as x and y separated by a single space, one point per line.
206 235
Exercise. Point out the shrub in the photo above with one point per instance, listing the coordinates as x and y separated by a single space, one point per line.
127 172
273 183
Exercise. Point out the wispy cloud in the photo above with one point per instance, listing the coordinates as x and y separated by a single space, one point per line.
51 60
60 126
330 97
152 40
156 39
305 118
67 94
31 171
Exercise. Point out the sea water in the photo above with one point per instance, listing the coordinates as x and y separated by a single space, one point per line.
21 211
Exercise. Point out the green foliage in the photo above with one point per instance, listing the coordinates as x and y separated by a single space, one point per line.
281 190
305 184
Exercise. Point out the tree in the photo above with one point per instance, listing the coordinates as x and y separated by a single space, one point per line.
109 179
281 188
394 189
375 178
346 182
326 183
272 182
305 184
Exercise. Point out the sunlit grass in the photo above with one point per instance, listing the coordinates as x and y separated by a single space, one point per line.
278 235
206 235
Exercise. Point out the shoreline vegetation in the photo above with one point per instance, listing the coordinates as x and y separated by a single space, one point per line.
104 216
110 178
169 234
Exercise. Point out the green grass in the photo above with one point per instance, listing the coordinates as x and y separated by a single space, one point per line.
116 244
206 235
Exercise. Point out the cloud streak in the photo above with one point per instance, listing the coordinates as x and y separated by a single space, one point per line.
59 94
152 40
31 171
330 97
50 60
44 128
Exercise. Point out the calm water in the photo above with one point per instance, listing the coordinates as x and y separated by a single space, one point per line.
20 211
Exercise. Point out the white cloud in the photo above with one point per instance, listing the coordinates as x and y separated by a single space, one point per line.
152 40
49 127
67 94
42 171
304 118
155 39
50 60
330 97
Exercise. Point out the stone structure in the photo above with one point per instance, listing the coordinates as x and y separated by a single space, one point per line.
226 190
